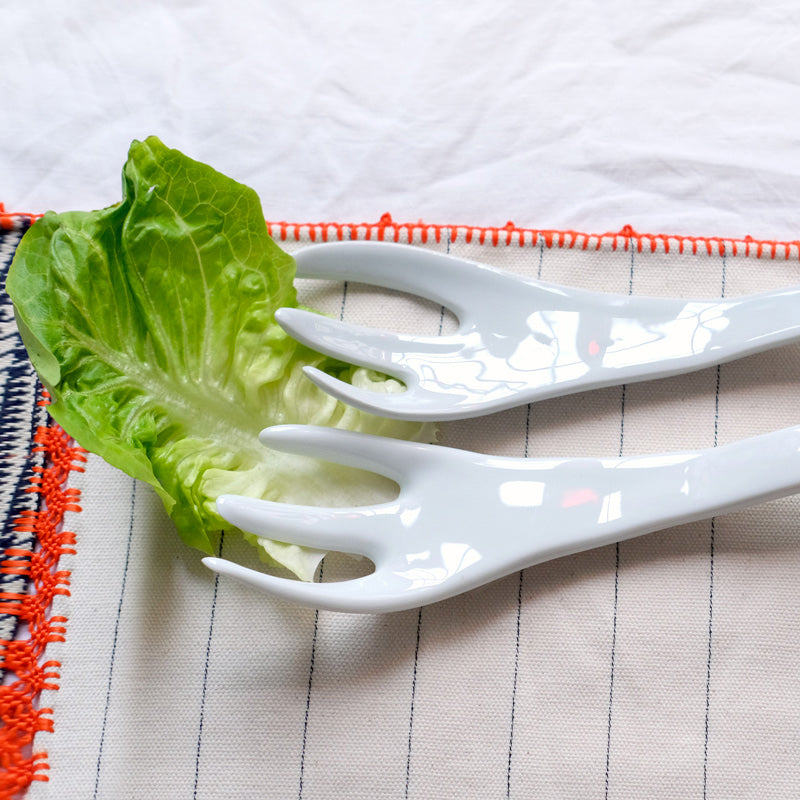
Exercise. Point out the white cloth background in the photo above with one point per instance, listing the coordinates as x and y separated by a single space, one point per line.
676 117
665 669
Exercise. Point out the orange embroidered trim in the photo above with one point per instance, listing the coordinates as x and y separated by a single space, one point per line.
386 229
509 234
8 220
21 717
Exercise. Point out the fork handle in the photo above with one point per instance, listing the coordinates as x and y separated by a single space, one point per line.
744 473
642 494
672 334
760 321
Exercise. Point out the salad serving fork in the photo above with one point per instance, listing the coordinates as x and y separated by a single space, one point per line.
520 340
463 519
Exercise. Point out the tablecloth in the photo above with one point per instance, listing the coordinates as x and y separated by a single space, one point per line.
664 666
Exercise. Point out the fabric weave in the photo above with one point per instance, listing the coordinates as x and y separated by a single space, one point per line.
662 667
20 415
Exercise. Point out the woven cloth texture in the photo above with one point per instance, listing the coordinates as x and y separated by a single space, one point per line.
20 415
662 667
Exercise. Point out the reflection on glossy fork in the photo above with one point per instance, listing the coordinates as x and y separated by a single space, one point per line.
520 340
463 519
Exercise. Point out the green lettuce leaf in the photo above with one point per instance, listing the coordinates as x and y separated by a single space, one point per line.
151 324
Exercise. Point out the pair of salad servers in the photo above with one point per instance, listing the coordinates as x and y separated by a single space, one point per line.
463 519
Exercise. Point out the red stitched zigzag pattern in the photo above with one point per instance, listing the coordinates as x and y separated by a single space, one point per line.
386 229
509 235
21 718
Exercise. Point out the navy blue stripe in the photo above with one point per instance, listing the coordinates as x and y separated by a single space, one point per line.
307 713
314 636
514 684
612 666
414 671
413 701
711 547
515 678
115 639
206 665
612 670
541 258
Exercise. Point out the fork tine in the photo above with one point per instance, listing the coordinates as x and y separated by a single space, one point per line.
437 276
410 404
392 458
360 595
340 529
367 347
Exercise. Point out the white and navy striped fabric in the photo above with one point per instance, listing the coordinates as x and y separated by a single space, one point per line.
663 667
20 415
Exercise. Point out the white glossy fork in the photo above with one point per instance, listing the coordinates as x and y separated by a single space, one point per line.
520 340
463 519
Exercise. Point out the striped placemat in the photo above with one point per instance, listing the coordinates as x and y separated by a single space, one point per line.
662 667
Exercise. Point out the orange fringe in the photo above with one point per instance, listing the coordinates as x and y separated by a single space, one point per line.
21 718
8 221
386 229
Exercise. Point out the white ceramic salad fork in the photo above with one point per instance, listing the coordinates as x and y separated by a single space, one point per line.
520 340
462 519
